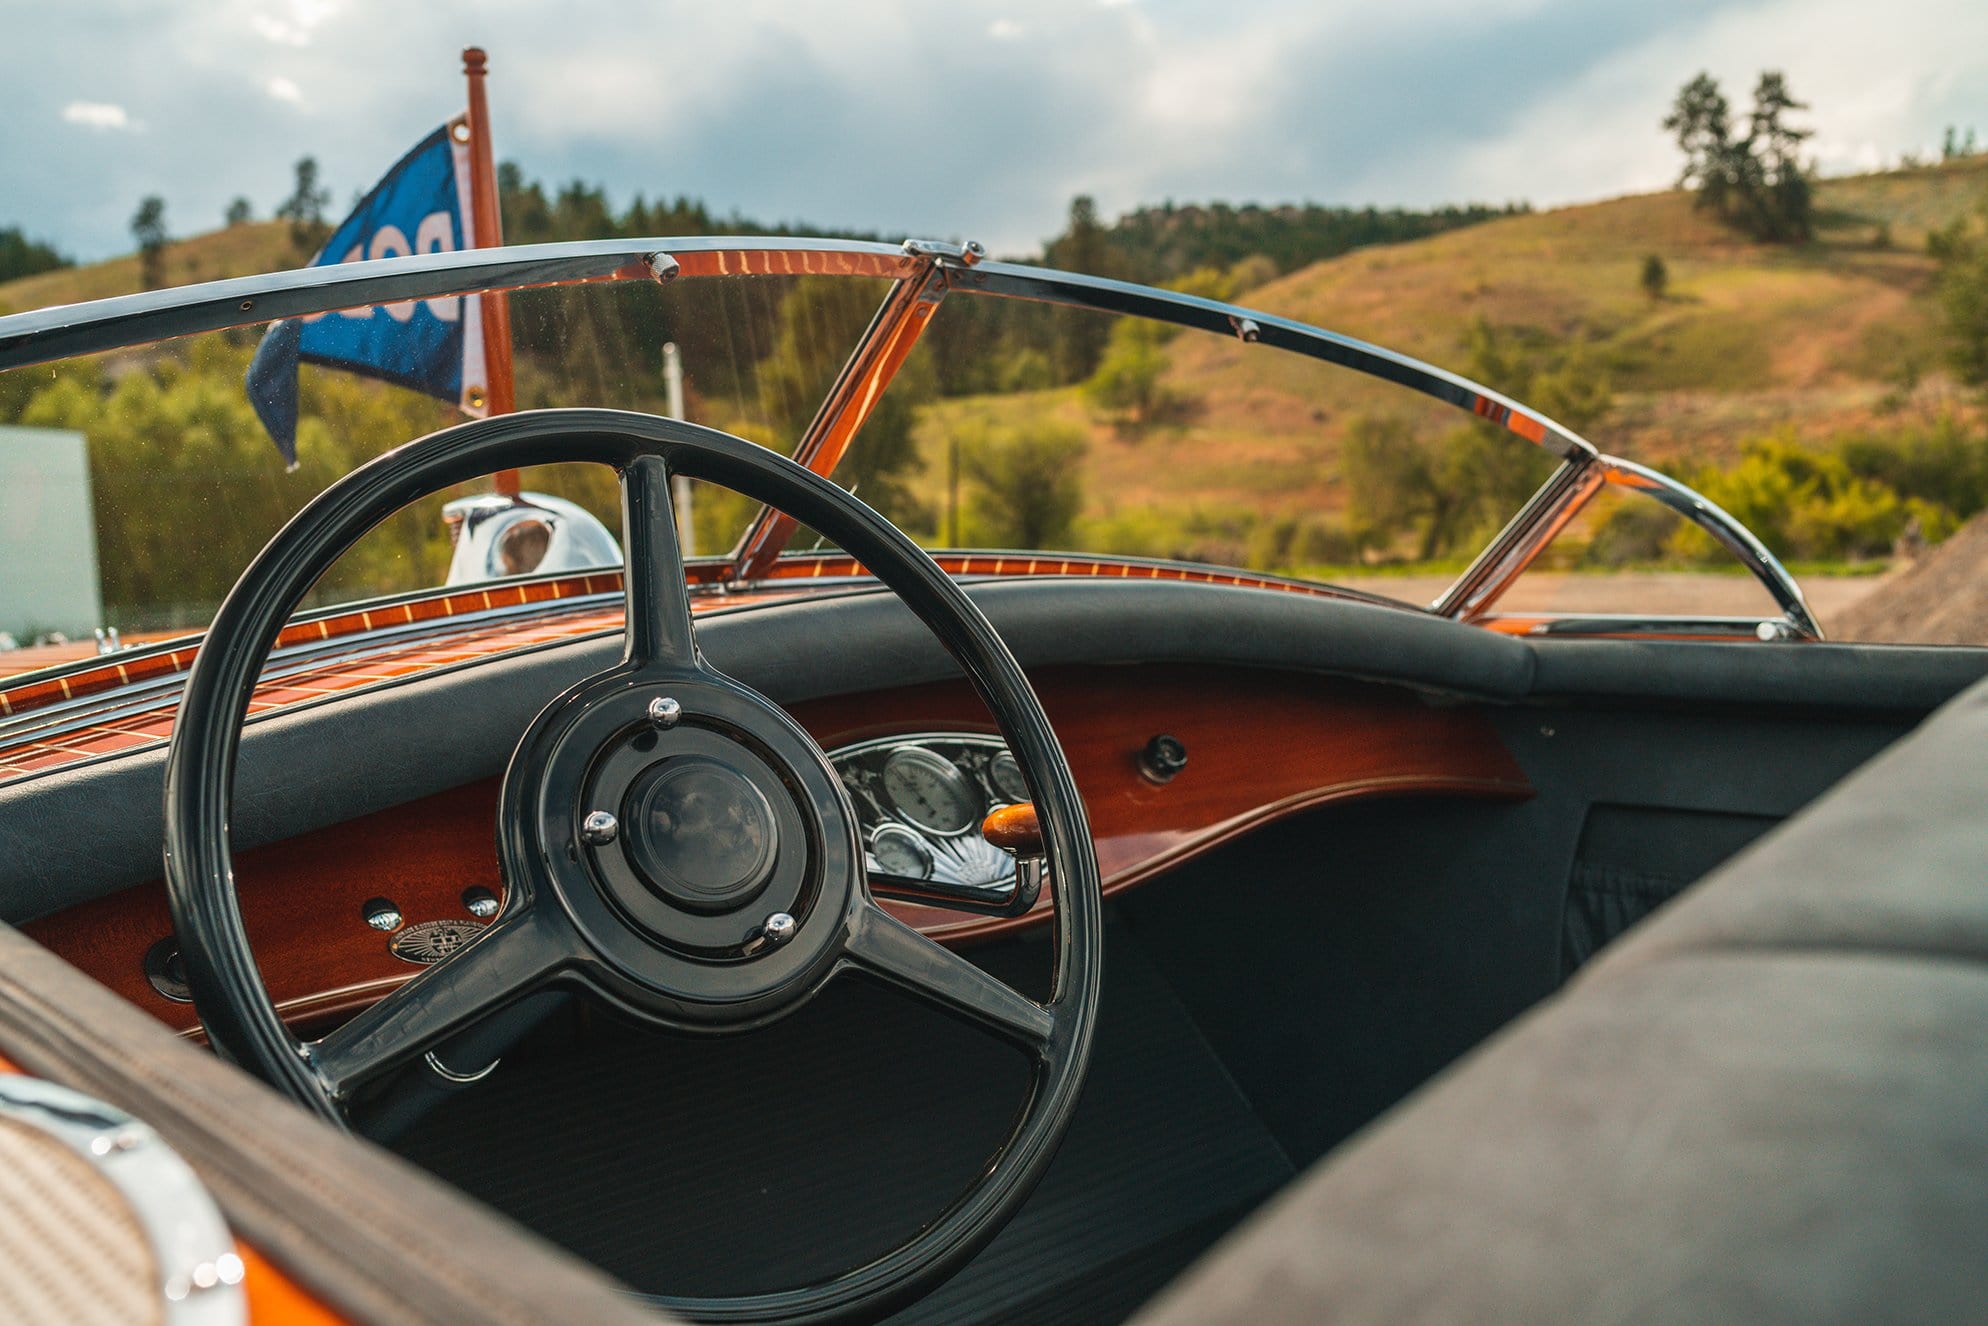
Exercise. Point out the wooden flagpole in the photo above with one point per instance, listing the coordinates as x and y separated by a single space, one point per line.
489 223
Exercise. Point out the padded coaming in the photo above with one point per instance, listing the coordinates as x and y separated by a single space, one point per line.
58 847
1766 1105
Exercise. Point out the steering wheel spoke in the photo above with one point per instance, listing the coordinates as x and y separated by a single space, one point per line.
659 630
892 951
514 955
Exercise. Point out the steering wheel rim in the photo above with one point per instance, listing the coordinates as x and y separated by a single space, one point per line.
850 933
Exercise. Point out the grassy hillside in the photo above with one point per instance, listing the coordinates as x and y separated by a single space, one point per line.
259 246
1748 338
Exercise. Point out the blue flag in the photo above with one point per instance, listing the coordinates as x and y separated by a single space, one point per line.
423 205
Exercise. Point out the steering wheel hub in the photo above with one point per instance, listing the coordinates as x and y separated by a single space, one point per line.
726 817
700 834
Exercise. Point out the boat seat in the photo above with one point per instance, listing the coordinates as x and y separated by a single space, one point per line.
1767 1104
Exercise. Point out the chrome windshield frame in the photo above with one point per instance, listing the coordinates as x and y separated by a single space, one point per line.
923 273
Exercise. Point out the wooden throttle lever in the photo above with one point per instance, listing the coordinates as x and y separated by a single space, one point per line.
1014 829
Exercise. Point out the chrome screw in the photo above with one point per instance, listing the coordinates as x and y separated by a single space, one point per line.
778 928
381 914
664 712
599 828
481 902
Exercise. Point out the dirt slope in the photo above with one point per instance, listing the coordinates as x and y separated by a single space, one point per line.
1941 599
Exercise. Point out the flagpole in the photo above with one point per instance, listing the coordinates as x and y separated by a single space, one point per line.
489 224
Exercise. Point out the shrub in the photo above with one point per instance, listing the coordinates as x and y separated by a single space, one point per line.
1655 277
1026 486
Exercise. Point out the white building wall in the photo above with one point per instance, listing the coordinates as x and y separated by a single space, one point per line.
48 536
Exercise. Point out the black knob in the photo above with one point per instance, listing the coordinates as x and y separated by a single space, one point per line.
166 972
1165 755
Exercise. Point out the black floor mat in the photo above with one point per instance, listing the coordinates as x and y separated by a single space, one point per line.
751 1163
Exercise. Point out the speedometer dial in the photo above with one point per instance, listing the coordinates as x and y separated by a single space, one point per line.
930 791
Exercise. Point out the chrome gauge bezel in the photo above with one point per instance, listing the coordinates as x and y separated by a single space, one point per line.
873 839
955 856
957 782
1004 777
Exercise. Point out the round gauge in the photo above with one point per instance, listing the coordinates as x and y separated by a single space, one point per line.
1006 774
899 851
930 791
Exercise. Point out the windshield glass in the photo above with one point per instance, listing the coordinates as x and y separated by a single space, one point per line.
1009 424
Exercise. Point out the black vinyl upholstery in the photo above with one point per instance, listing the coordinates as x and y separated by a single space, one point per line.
1770 1103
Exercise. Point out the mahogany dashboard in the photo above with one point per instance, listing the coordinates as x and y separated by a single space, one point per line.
1172 760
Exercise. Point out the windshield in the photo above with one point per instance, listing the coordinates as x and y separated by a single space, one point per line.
977 405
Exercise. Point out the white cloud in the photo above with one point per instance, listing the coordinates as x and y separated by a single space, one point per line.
1872 88
98 115
294 23
1004 29
282 89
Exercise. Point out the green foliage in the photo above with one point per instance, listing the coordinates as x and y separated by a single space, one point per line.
240 212
1556 376
304 209
1026 370
1025 485
1448 490
1636 532
21 256
1800 501
1655 277
1961 249
820 321
1288 542
1440 490
1223 535
148 227
1127 380
187 487
1156 245
1756 182
1944 463
1080 341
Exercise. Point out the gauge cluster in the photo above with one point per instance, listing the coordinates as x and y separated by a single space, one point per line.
920 800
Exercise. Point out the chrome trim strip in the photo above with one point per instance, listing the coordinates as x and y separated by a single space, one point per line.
1563 497
1524 537
200 1273
45 335
1734 537
1624 624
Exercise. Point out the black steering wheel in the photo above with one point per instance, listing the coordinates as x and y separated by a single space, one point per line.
672 842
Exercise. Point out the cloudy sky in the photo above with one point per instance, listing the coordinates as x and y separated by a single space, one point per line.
972 119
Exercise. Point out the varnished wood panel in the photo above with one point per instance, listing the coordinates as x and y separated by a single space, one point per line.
1261 745
559 612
